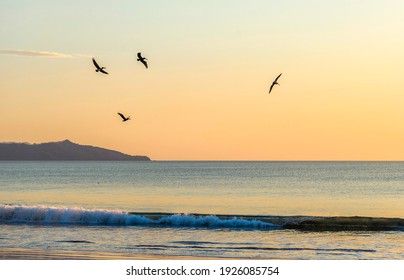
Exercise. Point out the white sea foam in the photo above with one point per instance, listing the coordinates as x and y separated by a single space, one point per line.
60 215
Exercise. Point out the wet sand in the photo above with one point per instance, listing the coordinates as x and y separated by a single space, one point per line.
41 254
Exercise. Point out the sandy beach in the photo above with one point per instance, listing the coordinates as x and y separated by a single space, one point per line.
40 254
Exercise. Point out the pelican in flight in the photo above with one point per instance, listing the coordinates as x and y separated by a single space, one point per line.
274 83
142 59
124 119
99 69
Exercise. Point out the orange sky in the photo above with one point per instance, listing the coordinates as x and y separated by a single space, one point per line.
205 94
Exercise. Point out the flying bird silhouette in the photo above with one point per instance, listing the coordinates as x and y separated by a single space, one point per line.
274 83
142 59
99 69
124 119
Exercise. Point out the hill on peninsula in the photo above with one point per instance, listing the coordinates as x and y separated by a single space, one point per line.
63 150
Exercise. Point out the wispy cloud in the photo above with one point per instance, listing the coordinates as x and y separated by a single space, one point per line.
40 54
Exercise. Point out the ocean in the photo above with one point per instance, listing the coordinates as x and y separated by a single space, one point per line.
248 210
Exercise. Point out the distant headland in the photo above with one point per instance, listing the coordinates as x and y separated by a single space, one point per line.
63 150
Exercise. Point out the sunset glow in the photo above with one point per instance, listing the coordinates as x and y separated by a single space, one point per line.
205 93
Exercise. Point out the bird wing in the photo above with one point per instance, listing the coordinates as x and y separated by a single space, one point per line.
139 55
270 89
144 63
278 77
96 64
103 71
122 116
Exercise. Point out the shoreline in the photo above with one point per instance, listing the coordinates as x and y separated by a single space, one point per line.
43 254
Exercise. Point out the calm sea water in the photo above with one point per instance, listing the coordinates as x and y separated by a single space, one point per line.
211 209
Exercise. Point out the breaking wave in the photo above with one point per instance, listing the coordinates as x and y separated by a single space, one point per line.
81 216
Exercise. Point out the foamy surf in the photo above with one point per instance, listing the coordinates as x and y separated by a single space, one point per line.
80 216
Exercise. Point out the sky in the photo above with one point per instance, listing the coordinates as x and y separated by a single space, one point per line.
205 93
